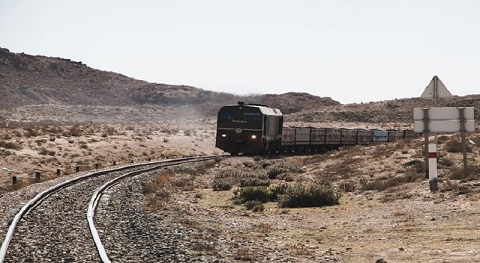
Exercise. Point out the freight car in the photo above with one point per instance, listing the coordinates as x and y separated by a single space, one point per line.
258 129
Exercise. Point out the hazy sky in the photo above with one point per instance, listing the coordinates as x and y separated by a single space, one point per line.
351 51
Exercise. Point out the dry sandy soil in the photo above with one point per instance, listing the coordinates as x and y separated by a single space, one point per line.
401 223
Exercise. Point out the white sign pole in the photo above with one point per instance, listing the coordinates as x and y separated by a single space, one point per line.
432 167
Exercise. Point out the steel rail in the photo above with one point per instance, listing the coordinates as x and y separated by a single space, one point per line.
92 206
43 195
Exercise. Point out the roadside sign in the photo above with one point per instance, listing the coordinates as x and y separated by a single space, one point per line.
444 126
436 89
444 113
444 119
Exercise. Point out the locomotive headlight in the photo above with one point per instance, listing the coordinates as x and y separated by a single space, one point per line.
254 136
224 135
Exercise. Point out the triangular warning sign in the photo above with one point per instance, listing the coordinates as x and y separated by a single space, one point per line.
436 89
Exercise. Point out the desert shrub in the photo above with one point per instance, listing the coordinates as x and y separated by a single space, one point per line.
383 151
382 184
241 178
197 169
255 206
317 194
183 182
415 168
161 181
347 186
30 132
282 167
446 161
276 191
44 151
472 173
83 145
221 185
449 185
189 132
251 193
10 145
257 158
454 145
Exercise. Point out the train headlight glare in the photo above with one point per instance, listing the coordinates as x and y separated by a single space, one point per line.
254 136
224 135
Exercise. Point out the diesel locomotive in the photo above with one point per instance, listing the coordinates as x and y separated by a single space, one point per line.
258 129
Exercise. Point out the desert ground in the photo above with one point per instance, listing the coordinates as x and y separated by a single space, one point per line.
386 212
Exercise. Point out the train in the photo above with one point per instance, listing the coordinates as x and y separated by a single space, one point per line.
254 129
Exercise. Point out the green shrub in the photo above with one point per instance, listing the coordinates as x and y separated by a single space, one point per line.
315 195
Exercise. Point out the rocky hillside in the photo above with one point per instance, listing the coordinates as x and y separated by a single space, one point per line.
38 87
33 80
383 111
39 80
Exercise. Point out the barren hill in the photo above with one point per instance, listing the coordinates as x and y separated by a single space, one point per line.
58 83
37 87
381 112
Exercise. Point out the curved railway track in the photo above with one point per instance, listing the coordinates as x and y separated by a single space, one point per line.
57 226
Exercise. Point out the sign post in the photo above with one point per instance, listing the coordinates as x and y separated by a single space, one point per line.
435 89
444 119
432 167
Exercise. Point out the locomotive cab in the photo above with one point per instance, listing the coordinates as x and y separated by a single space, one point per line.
249 129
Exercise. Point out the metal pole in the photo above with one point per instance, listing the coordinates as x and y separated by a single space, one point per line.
425 132
435 101
464 143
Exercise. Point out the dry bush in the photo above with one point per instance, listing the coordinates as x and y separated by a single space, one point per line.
383 183
251 193
254 205
161 181
315 159
347 186
279 168
383 151
472 173
158 191
316 194
44 151
240 176
454 145
10 145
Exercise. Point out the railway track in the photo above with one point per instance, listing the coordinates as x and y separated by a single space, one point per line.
58 224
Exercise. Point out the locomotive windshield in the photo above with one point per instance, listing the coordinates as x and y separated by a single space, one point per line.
235 117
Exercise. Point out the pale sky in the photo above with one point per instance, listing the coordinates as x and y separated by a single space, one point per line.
351 51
